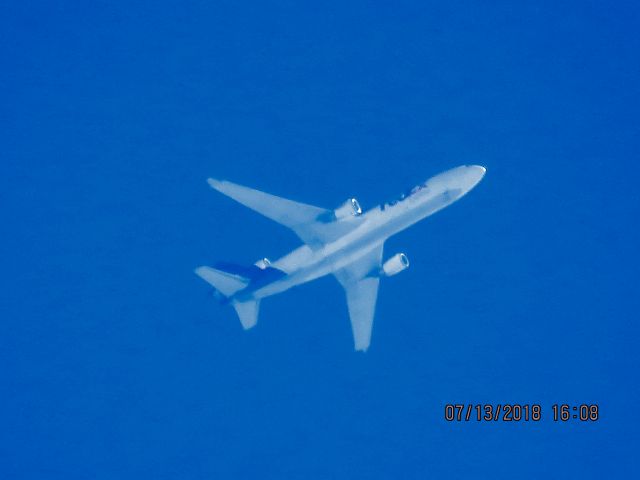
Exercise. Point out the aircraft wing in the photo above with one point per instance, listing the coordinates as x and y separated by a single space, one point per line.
314 225
362 291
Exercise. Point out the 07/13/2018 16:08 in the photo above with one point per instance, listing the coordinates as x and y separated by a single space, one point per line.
519 412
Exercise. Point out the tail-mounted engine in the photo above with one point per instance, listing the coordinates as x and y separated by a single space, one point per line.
349 208
395 264
263 263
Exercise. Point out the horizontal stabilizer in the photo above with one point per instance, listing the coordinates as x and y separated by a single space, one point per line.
226 283
248 312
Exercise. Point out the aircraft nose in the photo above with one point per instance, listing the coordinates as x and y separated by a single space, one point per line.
464 178
475 173
479 170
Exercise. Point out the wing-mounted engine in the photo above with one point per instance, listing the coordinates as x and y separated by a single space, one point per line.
395 265
350 208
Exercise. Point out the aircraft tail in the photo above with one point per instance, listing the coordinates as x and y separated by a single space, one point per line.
227 284
247 312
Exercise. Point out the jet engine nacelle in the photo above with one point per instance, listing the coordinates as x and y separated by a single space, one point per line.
349 208
263 263
395 264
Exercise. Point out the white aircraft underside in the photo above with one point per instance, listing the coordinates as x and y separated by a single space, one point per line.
343 242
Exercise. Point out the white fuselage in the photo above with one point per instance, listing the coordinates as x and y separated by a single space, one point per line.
373 228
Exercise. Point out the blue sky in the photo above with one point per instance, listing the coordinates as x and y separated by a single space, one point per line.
116 362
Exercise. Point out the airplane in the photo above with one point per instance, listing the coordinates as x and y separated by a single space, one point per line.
344 242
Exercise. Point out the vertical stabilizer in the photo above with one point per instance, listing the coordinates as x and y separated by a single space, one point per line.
248 312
